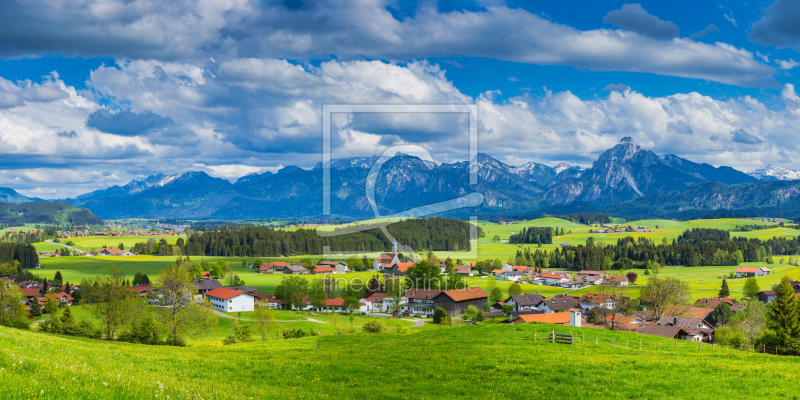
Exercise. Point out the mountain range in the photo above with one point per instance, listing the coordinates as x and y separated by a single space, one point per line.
626 179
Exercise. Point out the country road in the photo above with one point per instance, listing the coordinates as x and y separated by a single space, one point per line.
417 322
63 245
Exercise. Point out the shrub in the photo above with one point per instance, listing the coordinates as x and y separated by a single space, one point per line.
417 316
374 326
479 316
438 315
298 333
729 335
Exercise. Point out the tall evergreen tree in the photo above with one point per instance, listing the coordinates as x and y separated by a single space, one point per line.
724 292
784 316
36 309
58 277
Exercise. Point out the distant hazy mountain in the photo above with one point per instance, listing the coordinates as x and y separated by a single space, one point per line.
11 196
626 171
621 174
186 195
775 173
710 196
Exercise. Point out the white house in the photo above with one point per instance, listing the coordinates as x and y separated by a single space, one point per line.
746 272
229 300
553 280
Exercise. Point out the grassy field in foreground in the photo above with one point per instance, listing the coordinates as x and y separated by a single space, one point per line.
438 364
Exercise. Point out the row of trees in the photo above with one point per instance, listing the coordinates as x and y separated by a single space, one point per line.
433 233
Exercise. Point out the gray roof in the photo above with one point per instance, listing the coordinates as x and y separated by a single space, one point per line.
666 331
246 289
207 284
563 303
527 299
297 268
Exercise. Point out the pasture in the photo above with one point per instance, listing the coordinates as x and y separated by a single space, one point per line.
499 358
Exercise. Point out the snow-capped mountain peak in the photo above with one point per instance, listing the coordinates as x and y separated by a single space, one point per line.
561 167
775 173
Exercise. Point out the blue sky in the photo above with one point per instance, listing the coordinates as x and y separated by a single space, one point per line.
96 93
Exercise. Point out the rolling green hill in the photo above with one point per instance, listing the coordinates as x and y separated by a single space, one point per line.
489 361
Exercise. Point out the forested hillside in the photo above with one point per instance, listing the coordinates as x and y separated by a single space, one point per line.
37 212
438 234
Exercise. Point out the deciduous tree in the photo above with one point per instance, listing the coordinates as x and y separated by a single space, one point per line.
184 314
665 296
751 288
110 300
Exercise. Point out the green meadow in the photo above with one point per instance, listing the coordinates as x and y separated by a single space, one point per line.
88 243
485 361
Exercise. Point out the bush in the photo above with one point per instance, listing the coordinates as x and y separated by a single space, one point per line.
374 326
298 333
507 309
479 316
417 316
438 315
239 333
729 335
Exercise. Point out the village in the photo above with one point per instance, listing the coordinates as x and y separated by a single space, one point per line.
591 310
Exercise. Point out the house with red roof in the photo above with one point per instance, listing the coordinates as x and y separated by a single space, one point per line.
60 298
114 252
713 302
746 272
229 300
398 269
323 269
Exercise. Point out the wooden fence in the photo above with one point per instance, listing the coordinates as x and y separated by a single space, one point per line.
560 338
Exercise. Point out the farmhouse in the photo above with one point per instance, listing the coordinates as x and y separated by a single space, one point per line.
335 305
457 300
114 252
746 272
295 270
229 300
616 280
277 266
767 296
525 301
463 270
338 266
323 269
420 301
